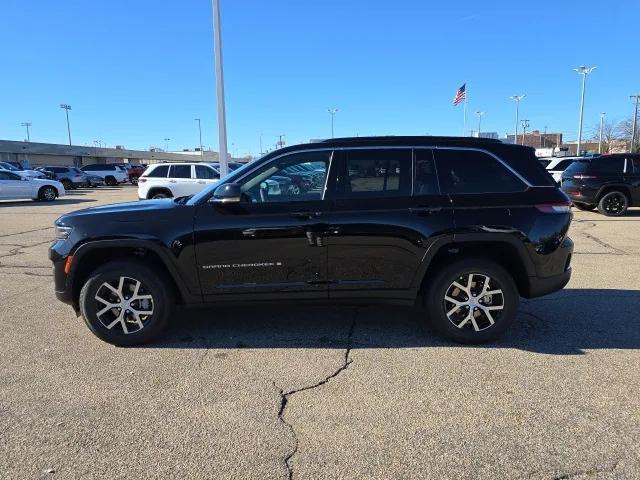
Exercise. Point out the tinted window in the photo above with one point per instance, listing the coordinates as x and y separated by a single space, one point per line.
280 181
158 172
180 171
58 170
425 178
636 166
9 176
607 164
562 166
205 172
88 168
375 173
469 171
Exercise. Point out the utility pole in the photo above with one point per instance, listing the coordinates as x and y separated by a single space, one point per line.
166 144
66 108
280 142
635 99
584 71
27 124
332 112
222 119
517 99
200 133
260 143
525 125
479 114
602 114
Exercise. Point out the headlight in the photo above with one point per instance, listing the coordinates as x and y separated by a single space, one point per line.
62 232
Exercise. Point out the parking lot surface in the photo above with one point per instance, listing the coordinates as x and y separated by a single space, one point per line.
292 392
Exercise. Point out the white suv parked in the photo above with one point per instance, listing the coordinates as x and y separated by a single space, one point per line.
165 180
558 165
110 173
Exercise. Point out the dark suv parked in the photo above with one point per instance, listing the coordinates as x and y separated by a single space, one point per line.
461 226
609 182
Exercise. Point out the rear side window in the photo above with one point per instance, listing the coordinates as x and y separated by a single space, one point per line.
160 171
425 178
180 171
205 173
471 171
375 173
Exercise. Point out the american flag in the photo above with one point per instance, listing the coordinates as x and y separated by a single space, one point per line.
461 95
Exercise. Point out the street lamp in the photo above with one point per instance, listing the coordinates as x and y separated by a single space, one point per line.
166 144
525 125
517 99
66 108
602 114
332 112
635 99
200 132
584 71
479 114
222 120
27 124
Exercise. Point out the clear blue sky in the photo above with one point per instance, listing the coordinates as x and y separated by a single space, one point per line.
137 71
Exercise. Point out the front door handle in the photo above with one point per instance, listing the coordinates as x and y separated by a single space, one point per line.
425 210
306 215
249 232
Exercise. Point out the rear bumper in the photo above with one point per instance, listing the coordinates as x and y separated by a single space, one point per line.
557 272
543 286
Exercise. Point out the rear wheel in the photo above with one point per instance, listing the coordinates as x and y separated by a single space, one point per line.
133 180
584 206
126 303
157 194
47 194
66 183
110 181
472 300
613 204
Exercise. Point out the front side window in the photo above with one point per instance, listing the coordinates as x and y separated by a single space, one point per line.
376 173
205 173
180 171
9 176
284 181
160 171
472 171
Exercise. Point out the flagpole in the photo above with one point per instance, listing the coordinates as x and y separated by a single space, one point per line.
466 91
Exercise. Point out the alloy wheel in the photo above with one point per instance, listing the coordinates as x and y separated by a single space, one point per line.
474 301
124 304
49 194
614 203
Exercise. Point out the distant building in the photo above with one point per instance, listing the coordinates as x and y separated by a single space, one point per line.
38 154
537 139
493 135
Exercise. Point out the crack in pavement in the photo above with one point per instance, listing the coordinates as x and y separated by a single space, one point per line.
285 396
26 231
602 243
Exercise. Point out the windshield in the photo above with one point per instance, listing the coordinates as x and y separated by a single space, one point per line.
237 173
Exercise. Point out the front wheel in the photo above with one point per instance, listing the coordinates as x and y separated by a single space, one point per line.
126 303
472 300
613 204
47 194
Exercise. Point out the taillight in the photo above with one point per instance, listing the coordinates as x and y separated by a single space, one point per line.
584 177
142 180
560 207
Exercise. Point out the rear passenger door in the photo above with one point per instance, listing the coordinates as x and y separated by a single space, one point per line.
181 181
205 176
487 196
379 233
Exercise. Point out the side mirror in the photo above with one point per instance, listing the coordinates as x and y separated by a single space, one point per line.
227 193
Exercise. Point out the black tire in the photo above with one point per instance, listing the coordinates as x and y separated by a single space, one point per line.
157 194
47 194
441 285
110 181
67 184
133 180
586 207
153 283
613 204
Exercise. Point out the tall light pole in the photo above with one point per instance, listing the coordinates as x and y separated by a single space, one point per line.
635 99
584 71
66 108
27 125
517 99
166 144
260 143
222 120
200 133
280 142
479 114
332 112
602 114
525 125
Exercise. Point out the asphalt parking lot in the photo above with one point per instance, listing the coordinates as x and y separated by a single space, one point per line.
352 392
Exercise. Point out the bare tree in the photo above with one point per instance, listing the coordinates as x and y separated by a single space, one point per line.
610 131
625 130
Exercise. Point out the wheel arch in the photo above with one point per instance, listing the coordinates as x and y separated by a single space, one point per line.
154 190
616 187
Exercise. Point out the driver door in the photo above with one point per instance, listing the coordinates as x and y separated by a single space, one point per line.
272 242
12 186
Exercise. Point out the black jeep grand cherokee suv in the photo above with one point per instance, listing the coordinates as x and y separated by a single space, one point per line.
462 226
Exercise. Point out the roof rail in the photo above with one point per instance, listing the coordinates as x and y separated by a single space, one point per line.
410 138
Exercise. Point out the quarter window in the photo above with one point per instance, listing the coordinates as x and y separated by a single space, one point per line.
471 171
297 177
376 173
180 171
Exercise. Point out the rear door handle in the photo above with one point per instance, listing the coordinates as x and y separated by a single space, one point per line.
425 210
306 215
